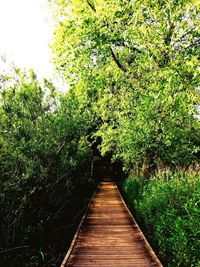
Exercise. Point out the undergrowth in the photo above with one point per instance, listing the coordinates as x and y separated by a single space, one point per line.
168 207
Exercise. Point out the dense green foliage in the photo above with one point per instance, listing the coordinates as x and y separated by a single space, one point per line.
133 71
135 67
137 62
45 164
169 207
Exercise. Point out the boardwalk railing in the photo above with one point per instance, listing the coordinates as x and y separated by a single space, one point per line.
108 235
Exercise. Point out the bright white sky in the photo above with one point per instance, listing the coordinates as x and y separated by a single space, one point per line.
25 32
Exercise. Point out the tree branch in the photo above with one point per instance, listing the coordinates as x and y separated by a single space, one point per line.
91 5
186 33
116 60
61 147
12 249
135 49
168 37
197 43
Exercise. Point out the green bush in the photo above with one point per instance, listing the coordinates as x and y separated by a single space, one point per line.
168 206
45 161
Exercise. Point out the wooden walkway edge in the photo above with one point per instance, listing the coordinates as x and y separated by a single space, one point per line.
108 235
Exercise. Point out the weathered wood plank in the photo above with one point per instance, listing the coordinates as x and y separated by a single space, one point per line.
108 235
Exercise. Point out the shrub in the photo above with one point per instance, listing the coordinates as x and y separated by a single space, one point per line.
169 207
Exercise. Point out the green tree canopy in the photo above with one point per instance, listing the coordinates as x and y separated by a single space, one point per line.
136 64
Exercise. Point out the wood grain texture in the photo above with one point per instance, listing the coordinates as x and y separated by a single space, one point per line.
108 235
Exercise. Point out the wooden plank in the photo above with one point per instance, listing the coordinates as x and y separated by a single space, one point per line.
108 235
75 236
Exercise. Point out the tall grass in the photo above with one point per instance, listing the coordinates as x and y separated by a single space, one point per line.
168 206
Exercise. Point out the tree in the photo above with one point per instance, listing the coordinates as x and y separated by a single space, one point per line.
126 58
46 165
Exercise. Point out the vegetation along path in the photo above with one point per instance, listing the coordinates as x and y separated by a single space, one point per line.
108 235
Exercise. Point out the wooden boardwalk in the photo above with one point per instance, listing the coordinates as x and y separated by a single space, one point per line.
108 235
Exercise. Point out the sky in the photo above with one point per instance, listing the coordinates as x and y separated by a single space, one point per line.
25 32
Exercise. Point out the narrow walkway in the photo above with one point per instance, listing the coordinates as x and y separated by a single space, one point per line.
108 235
